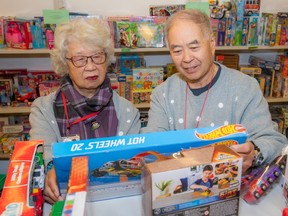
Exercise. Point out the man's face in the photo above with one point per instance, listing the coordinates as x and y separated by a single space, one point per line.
192 51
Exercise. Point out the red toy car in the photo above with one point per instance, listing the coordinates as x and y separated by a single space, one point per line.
248 178
259 185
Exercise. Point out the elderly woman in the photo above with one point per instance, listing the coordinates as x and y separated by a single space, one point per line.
84 106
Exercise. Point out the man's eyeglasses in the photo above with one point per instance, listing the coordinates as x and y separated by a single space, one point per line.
81 61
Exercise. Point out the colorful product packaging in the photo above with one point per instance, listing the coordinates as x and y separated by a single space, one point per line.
19 196
115 163
203 180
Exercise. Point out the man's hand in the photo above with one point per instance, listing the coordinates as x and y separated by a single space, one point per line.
245 150
51 191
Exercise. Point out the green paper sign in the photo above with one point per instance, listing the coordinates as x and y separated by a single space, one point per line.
55 16
202 6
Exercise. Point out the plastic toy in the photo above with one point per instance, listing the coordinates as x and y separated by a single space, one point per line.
252 7
248 178
57 208
258 186
218 10
38 200
130 168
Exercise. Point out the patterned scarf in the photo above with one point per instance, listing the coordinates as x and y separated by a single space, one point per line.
79 106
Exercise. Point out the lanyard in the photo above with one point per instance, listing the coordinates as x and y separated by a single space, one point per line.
77 120
202 108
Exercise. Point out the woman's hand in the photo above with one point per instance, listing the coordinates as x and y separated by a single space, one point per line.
51 190
245 150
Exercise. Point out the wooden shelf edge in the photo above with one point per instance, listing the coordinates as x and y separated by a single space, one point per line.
5 156
276 100
13 51
14 110
23 51
142 106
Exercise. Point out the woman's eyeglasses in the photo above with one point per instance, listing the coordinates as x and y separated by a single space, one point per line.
81 61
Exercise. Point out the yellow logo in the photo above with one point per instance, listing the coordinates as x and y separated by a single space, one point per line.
221 132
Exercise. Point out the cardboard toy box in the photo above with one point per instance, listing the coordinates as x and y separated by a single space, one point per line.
77 188
175 186
115 163
22 191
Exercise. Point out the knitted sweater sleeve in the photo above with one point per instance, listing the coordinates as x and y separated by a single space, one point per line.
255 116
42 120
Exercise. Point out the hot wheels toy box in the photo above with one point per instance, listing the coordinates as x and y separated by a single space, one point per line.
199 182
22 191
115 163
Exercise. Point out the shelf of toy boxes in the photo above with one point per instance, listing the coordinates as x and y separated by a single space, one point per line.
155 51
161 50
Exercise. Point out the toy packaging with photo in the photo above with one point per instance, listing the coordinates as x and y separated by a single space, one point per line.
115 163
199 182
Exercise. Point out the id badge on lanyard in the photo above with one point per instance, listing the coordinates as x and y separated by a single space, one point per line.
75 137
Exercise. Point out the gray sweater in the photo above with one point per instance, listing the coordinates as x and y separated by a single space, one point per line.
44 125
234 99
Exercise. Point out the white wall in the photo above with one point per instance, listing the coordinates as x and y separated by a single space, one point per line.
107 7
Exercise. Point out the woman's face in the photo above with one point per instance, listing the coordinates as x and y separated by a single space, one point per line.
86 78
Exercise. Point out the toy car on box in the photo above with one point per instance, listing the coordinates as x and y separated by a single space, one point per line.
131 167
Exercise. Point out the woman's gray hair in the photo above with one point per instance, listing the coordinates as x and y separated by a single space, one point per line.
93 32
196 16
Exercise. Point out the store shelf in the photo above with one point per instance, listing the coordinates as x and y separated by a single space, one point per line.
5 156
277 100
11 51
218 48
14 110
252 48
142 106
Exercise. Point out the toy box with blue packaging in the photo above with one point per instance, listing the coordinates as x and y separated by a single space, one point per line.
202 181
115 163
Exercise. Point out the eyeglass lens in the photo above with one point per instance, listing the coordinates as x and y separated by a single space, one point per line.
80 61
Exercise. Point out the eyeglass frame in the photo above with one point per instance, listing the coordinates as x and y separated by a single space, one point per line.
87 57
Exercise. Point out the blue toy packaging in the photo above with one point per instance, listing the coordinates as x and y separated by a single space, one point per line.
115 163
